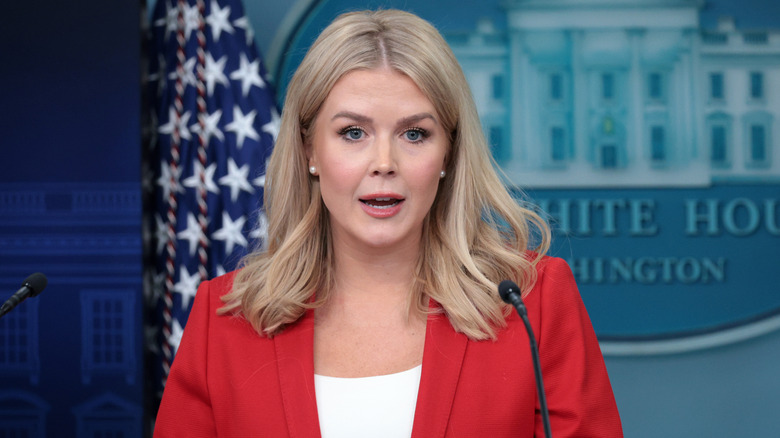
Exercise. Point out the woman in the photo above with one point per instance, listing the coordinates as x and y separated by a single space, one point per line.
373 310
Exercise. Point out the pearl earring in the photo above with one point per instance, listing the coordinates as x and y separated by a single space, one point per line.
312 170
442 174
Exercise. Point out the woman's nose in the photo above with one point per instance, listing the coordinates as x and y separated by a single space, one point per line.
384 157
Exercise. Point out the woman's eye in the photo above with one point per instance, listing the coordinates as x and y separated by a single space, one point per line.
415 135
352 133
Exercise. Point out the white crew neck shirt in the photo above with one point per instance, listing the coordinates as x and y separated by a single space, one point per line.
376 406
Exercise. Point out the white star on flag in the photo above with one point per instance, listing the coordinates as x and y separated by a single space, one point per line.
215 73
176 332
147 182
230 232
219 20
236 179
172 124
192 233
169 180
187 286
161 233
243 23
158 284
208 176
261 231
187 73
157 76
259 181
169 21
272 127
211 123
242 126
249 74
191 19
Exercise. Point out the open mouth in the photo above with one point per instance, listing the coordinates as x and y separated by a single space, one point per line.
381 202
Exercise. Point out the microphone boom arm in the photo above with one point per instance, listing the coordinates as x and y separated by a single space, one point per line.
509 293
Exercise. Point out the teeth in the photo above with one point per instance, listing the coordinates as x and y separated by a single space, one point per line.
381 203
381 207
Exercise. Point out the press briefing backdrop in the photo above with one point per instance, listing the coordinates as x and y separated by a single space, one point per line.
648 131
71 362
649 136
652 143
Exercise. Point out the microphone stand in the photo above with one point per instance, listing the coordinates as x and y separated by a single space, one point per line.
509 295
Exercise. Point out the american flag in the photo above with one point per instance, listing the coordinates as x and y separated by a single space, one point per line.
213 124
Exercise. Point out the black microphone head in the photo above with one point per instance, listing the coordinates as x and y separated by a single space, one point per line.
506 288
36 282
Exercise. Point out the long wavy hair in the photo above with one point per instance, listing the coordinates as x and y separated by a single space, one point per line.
475 235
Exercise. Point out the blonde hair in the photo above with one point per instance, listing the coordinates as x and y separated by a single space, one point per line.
475 234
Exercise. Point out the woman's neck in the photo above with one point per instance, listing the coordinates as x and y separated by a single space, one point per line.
375 275
378 276
365 327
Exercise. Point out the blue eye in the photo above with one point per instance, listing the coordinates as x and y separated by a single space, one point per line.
352 133
415 135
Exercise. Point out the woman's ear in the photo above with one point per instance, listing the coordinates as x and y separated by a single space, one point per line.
311 159
447 157
306 142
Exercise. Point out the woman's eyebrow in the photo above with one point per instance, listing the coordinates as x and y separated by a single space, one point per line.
353 116
417 118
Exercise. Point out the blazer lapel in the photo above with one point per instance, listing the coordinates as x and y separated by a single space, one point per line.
442 360
295 364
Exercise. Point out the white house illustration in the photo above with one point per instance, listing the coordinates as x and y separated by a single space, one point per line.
625 93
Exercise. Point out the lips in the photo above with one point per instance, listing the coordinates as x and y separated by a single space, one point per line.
382 205
382 202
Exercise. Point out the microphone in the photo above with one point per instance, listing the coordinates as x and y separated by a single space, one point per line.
510 294
32 286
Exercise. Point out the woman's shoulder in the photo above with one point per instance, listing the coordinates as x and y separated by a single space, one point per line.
220 285
550 266
554 280
211 291
210 295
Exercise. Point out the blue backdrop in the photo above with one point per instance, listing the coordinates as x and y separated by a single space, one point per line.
71 360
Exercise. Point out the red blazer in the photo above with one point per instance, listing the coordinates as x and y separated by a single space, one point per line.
228 381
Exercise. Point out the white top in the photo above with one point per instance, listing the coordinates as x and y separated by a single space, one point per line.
377 406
